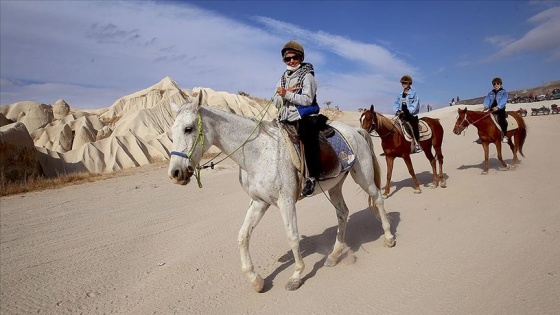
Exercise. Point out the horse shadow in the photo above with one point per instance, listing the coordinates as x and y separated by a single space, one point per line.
425 179
493 163
362 227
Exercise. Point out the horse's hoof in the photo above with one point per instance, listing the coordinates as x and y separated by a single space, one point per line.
258 283
330 262
385 196
443 185
484 173
417 191
433 186
390 242
293 284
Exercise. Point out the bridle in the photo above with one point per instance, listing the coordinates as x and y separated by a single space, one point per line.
466 118
200 139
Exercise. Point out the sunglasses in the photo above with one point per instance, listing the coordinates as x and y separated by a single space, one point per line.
288 59
496 83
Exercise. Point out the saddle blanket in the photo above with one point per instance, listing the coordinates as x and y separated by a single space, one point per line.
342 149
512 123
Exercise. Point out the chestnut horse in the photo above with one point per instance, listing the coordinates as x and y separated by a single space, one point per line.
490 133
395 145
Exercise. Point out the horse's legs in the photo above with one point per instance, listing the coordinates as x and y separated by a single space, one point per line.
514 146
337 199
499 149
408 161
254 214
288 212
428 152
376 203
486 145
390 160
439 155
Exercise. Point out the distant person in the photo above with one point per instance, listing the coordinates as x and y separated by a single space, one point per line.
457 99
453 101
297 103
429 107
496 101
406 107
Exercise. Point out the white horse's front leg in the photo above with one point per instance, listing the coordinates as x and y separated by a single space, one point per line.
254 214
288 211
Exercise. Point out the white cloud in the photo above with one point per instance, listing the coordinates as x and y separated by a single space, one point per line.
91 53
543 37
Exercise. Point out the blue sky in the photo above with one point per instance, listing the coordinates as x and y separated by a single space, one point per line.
92 53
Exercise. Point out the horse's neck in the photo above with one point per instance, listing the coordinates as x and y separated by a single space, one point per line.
386 128
234 135
478 119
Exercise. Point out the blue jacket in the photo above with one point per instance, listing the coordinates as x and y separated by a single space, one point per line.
412 102
501 99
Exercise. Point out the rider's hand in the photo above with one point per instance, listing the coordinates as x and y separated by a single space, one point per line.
495 109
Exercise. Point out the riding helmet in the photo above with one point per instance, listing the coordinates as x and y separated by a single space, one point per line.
406 78
295 47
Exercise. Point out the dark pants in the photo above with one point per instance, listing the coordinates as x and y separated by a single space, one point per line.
412 120
501 117
309 134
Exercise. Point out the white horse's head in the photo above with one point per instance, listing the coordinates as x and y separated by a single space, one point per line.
188 141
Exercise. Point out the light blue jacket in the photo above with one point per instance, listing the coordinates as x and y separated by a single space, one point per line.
412 102
501 99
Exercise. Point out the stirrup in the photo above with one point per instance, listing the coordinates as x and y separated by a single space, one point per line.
417 149
309 187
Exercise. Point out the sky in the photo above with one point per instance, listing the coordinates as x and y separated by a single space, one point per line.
91 53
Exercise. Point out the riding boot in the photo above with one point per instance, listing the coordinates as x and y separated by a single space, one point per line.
416 132
310 136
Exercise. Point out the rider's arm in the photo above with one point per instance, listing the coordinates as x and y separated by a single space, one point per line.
308 91
501 98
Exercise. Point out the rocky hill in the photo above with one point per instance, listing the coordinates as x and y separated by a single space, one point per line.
538 90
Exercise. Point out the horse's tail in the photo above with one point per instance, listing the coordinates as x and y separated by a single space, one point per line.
376 168
522 133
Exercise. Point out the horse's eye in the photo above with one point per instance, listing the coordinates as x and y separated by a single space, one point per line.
188 129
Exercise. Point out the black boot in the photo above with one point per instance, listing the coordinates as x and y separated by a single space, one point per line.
309 187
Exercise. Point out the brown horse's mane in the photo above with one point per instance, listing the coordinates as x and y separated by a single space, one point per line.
384 121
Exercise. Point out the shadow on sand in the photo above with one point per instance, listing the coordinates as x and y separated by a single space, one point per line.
363 227
425 179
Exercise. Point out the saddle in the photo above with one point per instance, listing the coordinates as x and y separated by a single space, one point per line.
335 154
406 129
512 123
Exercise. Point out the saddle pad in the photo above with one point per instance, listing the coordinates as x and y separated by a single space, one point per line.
423 127
342 149
512 123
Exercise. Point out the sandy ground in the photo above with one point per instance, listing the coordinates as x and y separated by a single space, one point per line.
139 244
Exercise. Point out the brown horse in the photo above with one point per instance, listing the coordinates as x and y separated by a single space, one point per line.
490 133
395 145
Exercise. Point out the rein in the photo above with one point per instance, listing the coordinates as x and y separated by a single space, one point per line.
466 118
200 136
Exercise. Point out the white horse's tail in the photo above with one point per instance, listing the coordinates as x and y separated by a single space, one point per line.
376 173
376 168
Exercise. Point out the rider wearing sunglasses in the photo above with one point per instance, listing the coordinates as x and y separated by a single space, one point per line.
496 102
297 104
406 107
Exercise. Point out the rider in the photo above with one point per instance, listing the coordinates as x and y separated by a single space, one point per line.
496 102
406 107
297 104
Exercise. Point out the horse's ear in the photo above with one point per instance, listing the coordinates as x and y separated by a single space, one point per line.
371 108
200 97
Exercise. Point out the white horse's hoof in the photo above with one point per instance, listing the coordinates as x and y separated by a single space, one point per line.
390 242
330 262
293 284
258 283
385 196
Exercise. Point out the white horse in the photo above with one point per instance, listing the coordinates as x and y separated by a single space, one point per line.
268 176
